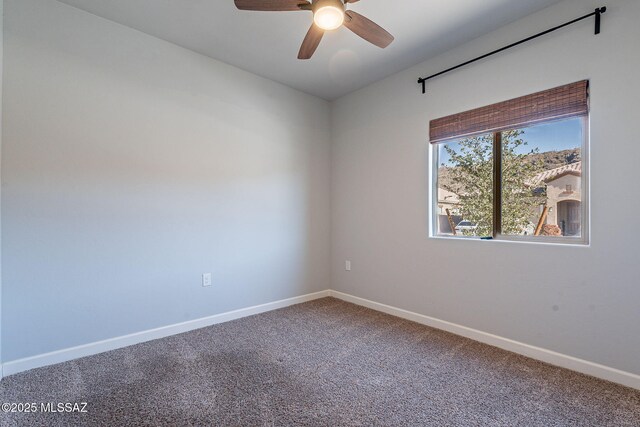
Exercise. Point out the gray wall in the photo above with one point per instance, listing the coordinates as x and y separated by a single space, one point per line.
1 68
131 166
580 301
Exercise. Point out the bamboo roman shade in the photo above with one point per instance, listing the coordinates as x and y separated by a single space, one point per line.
566 101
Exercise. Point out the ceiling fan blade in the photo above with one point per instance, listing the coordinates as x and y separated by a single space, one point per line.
311 42
351 1
367 29
271 5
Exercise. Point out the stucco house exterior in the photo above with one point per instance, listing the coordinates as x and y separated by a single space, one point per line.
564 197
447 200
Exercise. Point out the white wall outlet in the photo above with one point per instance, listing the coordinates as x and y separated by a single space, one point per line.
347 265
206 279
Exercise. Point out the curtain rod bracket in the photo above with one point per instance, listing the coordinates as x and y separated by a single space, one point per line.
423 82
597 13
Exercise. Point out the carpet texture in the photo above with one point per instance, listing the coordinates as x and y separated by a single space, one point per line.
322 363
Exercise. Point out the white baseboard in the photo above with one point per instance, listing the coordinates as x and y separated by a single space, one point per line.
553 358
562 360
20 365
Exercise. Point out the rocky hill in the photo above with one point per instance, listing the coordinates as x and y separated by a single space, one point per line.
550 160
555 159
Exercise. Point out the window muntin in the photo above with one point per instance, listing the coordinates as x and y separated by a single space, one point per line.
541 191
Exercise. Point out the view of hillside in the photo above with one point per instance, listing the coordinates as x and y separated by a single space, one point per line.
550 160
555 159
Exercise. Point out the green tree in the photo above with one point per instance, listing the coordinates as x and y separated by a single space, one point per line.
470 176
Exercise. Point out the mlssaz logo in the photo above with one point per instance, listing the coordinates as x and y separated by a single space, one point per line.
67 407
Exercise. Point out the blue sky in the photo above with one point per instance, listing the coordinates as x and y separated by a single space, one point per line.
555 136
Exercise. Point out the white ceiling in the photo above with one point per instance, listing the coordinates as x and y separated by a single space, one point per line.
267 43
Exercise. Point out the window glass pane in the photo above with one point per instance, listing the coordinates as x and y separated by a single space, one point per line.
465 187
542 179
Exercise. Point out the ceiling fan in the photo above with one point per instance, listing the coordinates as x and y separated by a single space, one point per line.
327 15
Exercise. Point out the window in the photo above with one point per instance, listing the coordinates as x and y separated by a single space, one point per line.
523 180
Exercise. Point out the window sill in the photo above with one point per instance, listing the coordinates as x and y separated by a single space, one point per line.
580 243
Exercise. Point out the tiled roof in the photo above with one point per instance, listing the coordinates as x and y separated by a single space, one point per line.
550 175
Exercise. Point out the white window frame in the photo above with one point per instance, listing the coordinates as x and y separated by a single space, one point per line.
585 231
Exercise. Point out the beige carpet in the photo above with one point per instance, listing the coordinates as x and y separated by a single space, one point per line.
323 363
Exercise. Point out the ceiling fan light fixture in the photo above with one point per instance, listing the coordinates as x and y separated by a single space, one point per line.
328 14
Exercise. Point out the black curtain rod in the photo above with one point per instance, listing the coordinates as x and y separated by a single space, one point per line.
599 11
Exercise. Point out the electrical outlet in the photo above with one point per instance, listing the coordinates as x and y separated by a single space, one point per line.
206 279
347 265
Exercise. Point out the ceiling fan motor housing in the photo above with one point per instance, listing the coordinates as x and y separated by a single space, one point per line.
317 4
328 14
